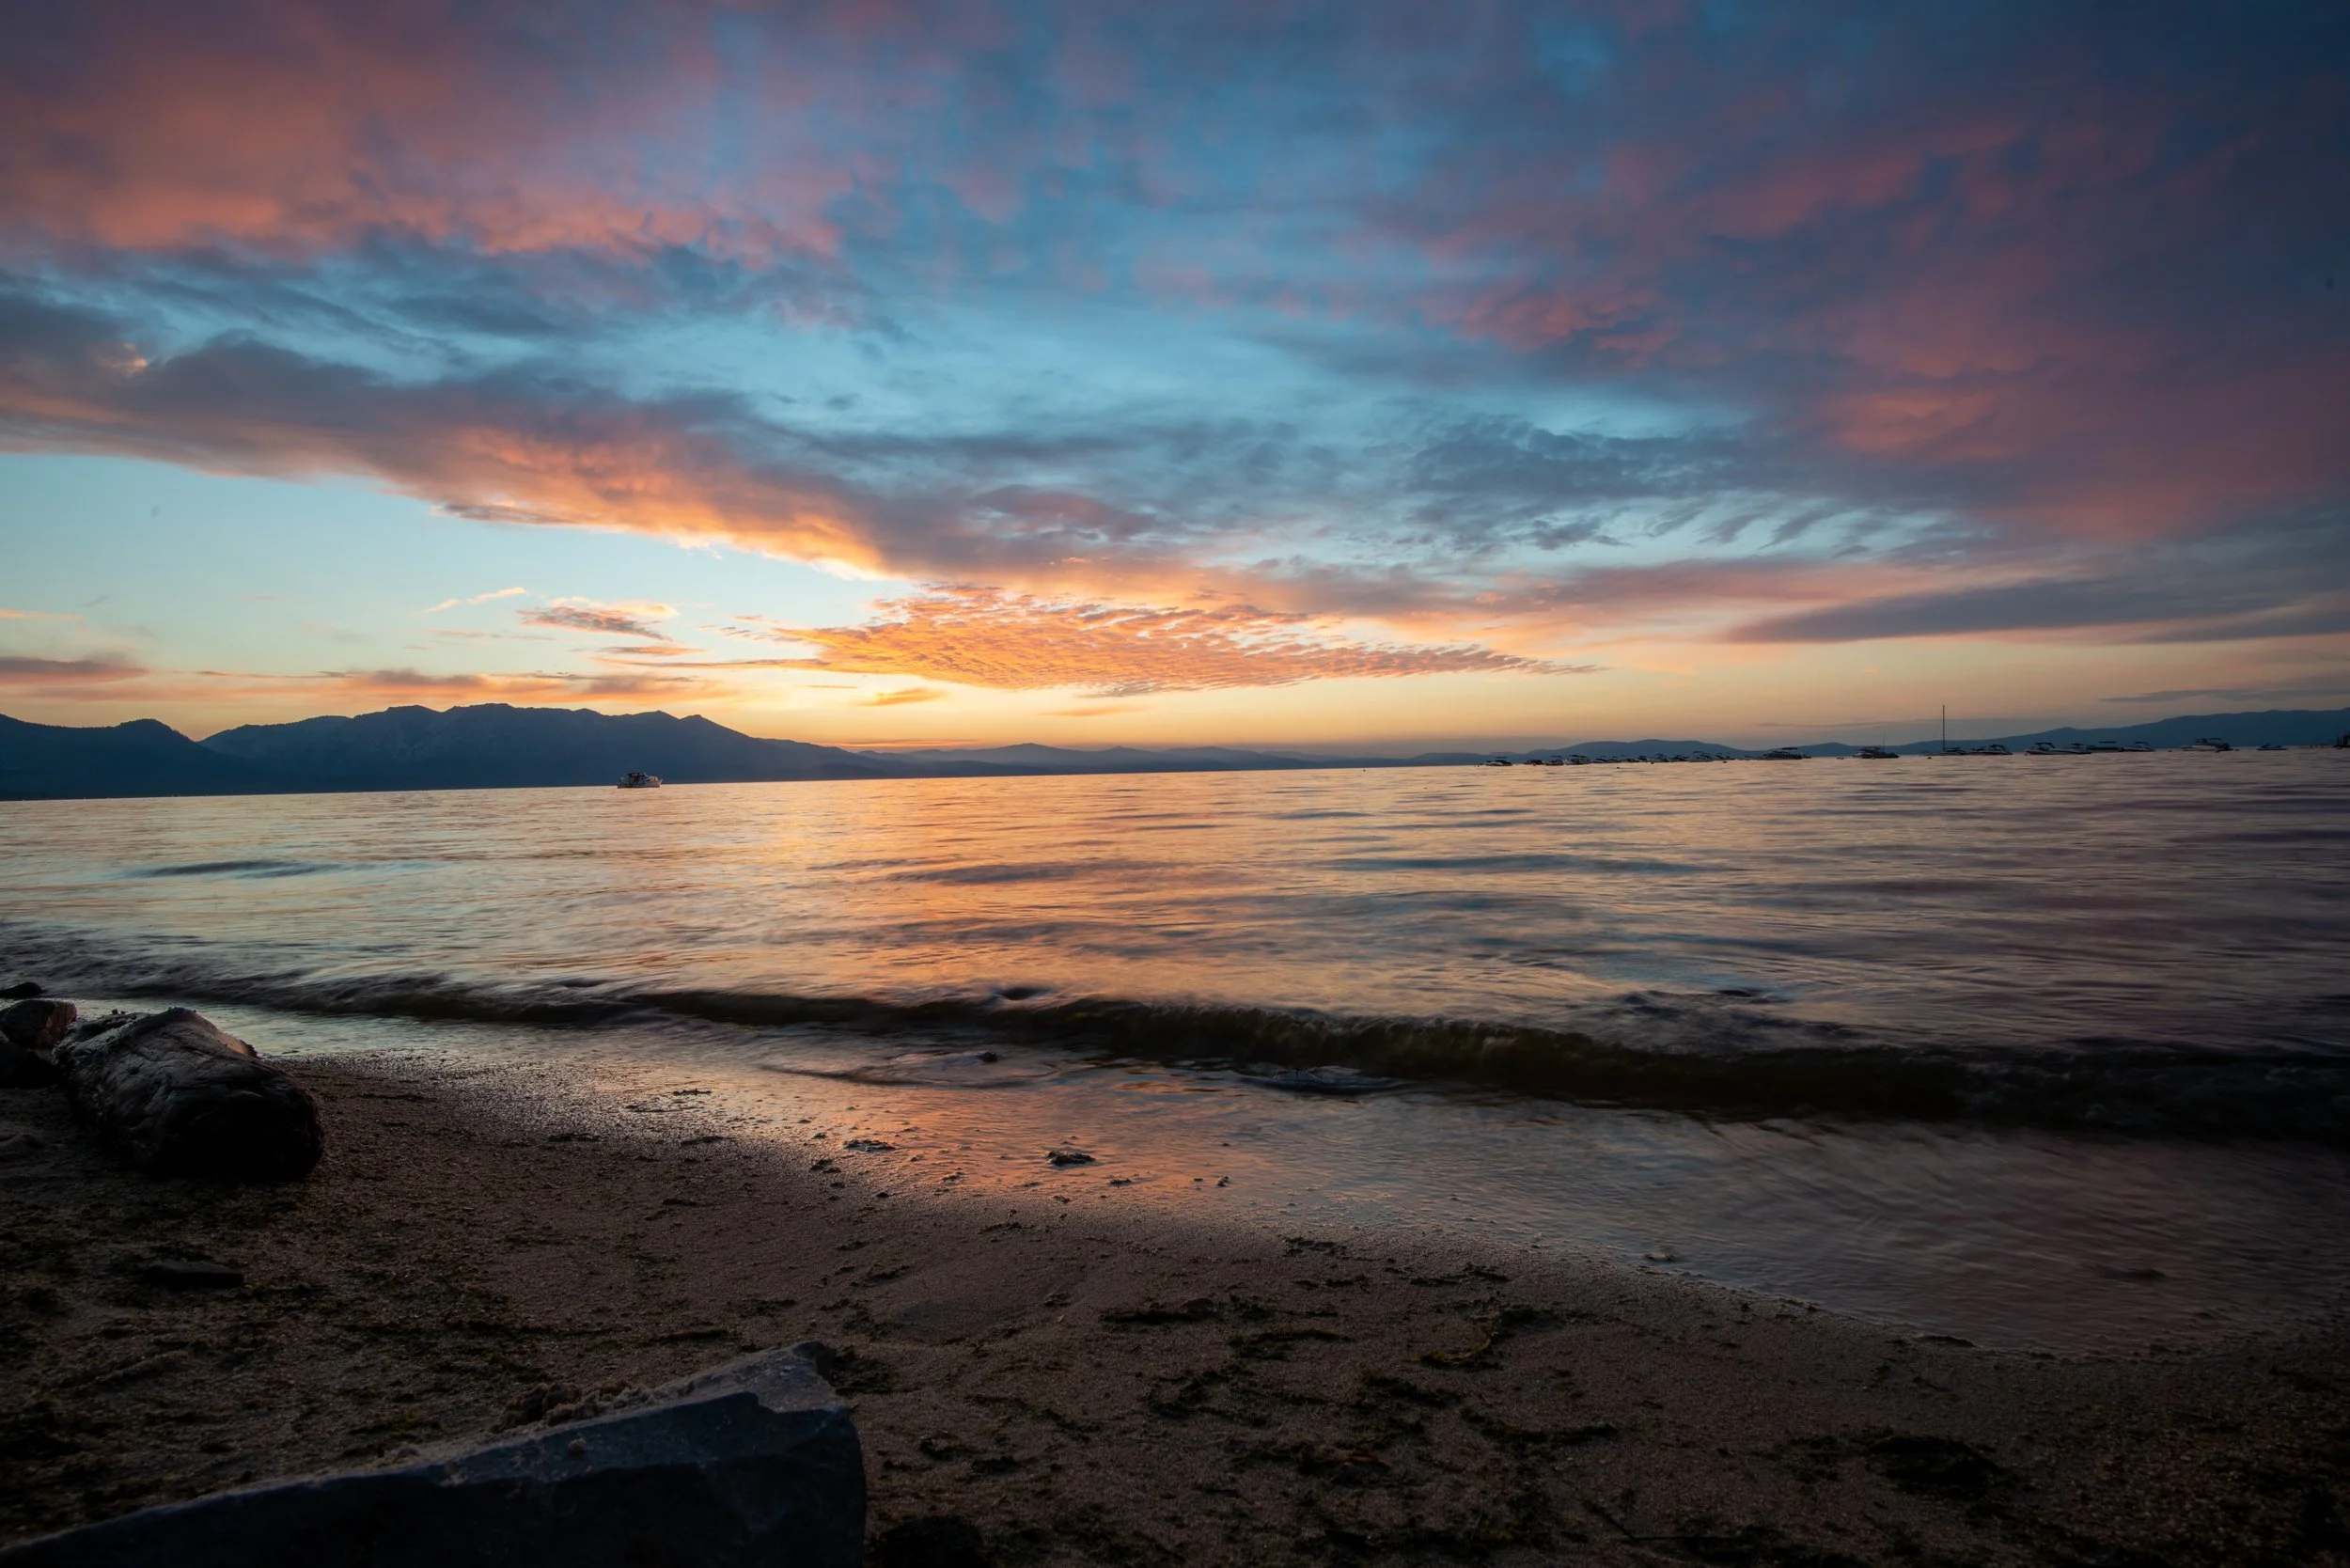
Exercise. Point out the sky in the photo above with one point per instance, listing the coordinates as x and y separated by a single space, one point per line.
1346 375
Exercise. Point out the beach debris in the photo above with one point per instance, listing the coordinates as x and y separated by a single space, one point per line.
29 1030
1065 1155
183 1273
172 1093
753 1463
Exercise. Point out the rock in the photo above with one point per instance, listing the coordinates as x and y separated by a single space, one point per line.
173 1094
35 1025
1067 1156
23 1069
18 992
17 1143
180 1275
754 1463
27 1031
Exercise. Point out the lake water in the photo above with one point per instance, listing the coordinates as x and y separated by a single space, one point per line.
2051 1052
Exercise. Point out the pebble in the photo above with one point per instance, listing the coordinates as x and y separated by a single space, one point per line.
192 1276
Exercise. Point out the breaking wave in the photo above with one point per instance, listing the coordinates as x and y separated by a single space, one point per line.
1720 1054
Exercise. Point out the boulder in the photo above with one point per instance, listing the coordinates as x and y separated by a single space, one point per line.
27 1031
23 1069
171 1093
755 1465
35 1025
19 990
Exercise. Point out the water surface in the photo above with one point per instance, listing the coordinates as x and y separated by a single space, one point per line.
2053 1050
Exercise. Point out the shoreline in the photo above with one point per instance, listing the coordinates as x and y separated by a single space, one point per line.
484 1243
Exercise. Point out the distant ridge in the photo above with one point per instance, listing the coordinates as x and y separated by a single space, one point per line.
493 745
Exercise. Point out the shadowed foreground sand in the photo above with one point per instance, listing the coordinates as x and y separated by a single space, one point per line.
482 1245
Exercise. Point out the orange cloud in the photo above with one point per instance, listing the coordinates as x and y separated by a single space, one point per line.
615 621
899 698
296 128
18 671
529 687
984 636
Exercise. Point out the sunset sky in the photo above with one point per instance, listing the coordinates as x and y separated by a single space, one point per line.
1342 375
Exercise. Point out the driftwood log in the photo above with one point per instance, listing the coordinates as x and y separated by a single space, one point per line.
29 1030
171 1093
755 1465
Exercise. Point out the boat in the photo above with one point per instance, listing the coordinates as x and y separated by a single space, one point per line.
2268 745
1875 754
2049 748
640 781
2105 745
2209 743
2139 746
1498 763
1785 754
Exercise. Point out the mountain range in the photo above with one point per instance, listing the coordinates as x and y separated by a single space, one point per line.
493 745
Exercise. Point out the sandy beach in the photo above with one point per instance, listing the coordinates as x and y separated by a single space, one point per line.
487 1246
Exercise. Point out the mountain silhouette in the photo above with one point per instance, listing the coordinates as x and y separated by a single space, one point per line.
495 746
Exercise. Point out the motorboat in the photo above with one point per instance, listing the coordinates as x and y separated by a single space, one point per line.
640 781
1785 754
1875 754
2209 743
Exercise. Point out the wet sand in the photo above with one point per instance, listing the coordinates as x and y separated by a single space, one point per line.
485 1244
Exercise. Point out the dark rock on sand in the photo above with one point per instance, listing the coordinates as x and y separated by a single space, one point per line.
18 992
36 1024
754 1463
171 1093
27 1031
180 1275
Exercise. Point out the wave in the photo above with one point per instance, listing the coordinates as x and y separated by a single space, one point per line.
235 868
1706 1055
